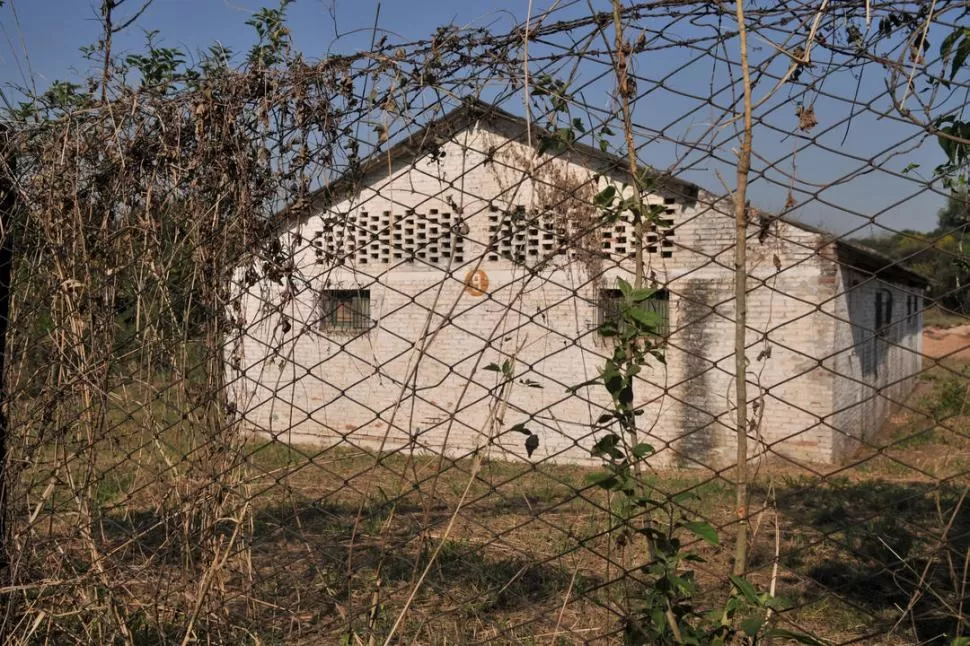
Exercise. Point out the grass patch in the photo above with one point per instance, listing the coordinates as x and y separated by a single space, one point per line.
337 537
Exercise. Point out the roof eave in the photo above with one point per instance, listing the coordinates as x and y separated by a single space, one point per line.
876 264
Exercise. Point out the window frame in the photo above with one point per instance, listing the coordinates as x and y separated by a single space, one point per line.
610 301
884 310
917 308
339 319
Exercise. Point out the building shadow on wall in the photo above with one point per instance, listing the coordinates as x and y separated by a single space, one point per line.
868 310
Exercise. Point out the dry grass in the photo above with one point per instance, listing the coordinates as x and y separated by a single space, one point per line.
141 515
938 317
336 537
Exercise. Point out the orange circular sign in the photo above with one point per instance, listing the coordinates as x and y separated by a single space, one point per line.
476 283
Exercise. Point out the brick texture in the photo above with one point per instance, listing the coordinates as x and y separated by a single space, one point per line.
821 378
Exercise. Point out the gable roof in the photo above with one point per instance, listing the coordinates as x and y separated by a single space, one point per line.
470 112
473 110
861 258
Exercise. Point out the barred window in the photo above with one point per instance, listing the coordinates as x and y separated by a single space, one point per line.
912 305
884 309
345 309
611 306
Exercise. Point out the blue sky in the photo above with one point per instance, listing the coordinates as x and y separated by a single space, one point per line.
41 39
53 31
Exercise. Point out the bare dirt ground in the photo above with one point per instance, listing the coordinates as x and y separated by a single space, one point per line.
951 342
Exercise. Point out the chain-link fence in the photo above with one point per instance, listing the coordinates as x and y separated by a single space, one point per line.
441 342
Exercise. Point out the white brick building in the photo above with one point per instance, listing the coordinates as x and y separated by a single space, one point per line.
461 247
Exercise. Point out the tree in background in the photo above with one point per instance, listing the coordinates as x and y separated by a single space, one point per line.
941 254
956 213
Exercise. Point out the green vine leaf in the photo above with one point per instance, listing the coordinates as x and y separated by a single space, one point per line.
745 588
602 479
646 319
608 446
960 57
752 626
605 197
703 530
642 294
642 450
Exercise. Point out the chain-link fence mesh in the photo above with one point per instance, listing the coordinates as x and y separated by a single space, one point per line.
439 343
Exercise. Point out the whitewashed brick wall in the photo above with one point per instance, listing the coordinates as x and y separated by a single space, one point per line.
875 369
417 378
